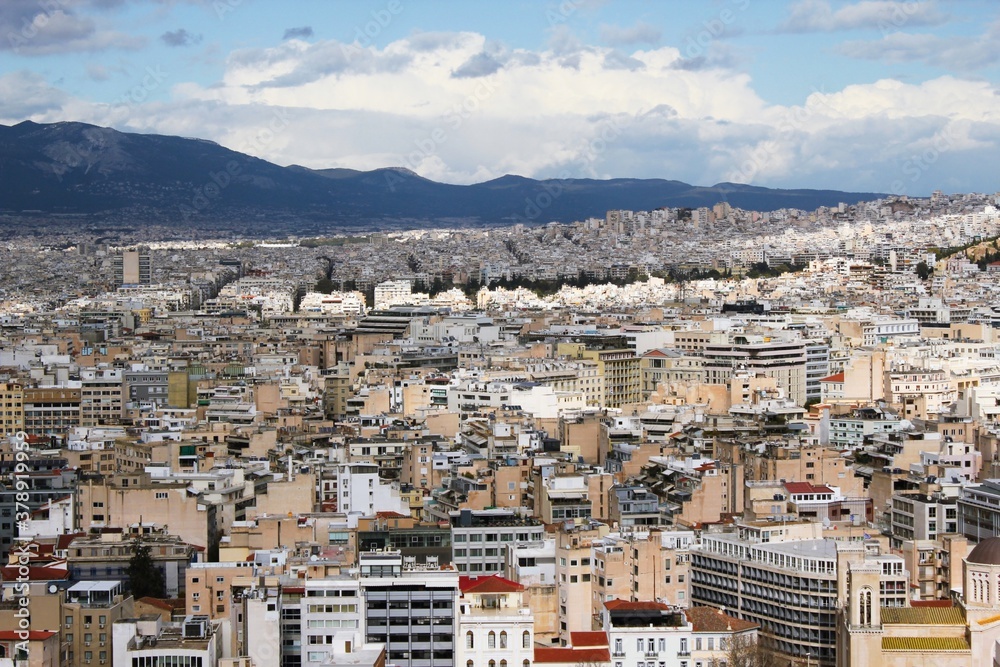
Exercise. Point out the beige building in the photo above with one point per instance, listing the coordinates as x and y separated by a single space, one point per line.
11 407
965 635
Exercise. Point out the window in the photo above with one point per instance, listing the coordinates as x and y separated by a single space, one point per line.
526 640
470 641
491 640
161 495
503 642
865 603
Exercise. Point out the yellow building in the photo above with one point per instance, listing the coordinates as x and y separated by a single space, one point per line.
11 407
963 635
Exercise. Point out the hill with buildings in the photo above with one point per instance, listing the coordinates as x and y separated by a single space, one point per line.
75 169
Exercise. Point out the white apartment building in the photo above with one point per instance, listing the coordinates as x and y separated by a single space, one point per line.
494 624
639 632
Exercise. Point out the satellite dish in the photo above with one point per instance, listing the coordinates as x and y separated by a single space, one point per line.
53 588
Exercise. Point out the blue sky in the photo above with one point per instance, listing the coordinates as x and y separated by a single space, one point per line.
872 95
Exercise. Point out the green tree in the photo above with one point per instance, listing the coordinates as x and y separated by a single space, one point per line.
145 578
324 285
923 271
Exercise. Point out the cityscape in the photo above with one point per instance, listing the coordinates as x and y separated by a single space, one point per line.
411 308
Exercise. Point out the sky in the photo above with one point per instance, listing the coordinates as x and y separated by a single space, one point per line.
892 96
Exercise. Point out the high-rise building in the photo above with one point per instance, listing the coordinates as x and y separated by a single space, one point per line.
132 267
411 609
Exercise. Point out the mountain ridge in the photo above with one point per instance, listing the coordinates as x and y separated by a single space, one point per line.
104 174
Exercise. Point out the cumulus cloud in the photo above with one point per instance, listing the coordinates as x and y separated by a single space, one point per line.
32 28
884 15
642 113
180 37
304 32
952 54
640 33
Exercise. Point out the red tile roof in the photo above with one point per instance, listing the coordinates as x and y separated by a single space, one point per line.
565 654
33 635
626 605
710 619
54 572
805 487
492 584
930 603
581 639
836 377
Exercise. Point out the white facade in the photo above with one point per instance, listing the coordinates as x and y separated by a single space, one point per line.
494 627
360 491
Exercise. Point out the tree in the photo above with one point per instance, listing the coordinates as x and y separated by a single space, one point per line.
923 271
324 285
145 578
745 651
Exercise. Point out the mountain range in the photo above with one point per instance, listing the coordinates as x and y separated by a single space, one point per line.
102 174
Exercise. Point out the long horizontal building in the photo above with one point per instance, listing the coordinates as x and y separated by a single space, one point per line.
790 588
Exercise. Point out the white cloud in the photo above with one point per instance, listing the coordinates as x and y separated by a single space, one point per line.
329 104
640 33
884 15
951 54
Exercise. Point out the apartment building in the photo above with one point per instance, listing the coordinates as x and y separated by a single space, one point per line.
411 609
785 361
91 610
479 537
789 588
494 623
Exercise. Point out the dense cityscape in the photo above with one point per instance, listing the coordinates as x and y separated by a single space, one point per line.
716 451
550 333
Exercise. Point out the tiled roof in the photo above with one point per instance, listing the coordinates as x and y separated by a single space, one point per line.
836 377
33 635
710 619
491 584
546 655
626 605
925 644
922 616
581 639
806 487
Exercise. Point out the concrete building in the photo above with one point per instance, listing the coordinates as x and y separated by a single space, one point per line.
91 609
132 267
148 642
411 609
789 588
478 538
785 361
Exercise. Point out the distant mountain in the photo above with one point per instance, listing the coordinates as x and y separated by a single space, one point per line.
106 175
